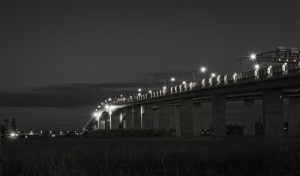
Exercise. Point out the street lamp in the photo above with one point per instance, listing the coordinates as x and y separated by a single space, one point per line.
213 74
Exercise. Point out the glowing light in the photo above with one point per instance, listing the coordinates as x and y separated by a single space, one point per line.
150 91
203 69
256 66
252 56
213 74
121 95
99 106
279 59
139 94
164 87
12 135
287 60
109 99
139 89
172 79
183 82
106 106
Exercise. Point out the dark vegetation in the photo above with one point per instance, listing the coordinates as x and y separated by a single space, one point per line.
152 156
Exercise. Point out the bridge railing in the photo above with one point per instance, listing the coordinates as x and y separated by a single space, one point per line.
262 73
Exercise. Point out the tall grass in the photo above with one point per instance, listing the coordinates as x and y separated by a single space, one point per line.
156 156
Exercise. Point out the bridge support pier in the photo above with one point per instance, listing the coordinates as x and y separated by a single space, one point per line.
219 114
137 117
148 116
164 115
186 117
197 119
115 121
128 118
249 117
177 120
273 112
294 116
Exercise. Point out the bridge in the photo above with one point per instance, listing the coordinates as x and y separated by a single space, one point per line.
271 84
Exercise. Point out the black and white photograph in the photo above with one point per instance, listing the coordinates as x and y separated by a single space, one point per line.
149 87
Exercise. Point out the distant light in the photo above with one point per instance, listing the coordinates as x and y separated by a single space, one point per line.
139 89
294 60
256 66
203 69
183 82
164 87
109 99
99 106
213 74
150 91
172 79
287 60
106 106
139 94
252 56
279 59
121 95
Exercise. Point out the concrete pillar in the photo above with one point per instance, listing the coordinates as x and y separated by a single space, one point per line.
177 120
186 117
219 114
137 117
164 116
294 116
273 112
128 118
148 116
115 121
249 117
197 120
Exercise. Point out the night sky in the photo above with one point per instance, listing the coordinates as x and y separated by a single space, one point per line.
60 59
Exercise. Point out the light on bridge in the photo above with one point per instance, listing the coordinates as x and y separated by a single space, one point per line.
150 91
256 66
213 74
139 89
164 88
203 69
252 56
172 79
183 82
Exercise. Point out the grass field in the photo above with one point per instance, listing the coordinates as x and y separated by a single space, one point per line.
153 156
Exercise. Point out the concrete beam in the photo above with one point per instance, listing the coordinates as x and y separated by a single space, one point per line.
177 120
249 117
219 114
137 117
273 112
186 117
128 118
164 115
148 116
197 119
294 116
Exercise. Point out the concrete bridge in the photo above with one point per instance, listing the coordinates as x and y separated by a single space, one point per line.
270 84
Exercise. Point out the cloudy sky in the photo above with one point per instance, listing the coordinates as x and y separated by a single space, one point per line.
60 58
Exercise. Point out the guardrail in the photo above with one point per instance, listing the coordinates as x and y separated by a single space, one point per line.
258 74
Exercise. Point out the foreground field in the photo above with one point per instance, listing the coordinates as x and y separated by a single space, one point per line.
156 156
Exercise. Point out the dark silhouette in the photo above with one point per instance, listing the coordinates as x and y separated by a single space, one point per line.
13 124
6 123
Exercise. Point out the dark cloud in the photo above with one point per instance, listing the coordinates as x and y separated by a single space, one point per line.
81 94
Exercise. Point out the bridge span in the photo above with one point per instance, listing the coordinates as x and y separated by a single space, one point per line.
270 84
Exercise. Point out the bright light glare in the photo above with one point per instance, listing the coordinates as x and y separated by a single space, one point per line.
139 90
164 87
150 91
121 95
213 74
139 94
256 66
203 69
252 56
183 82
109 99
172 79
